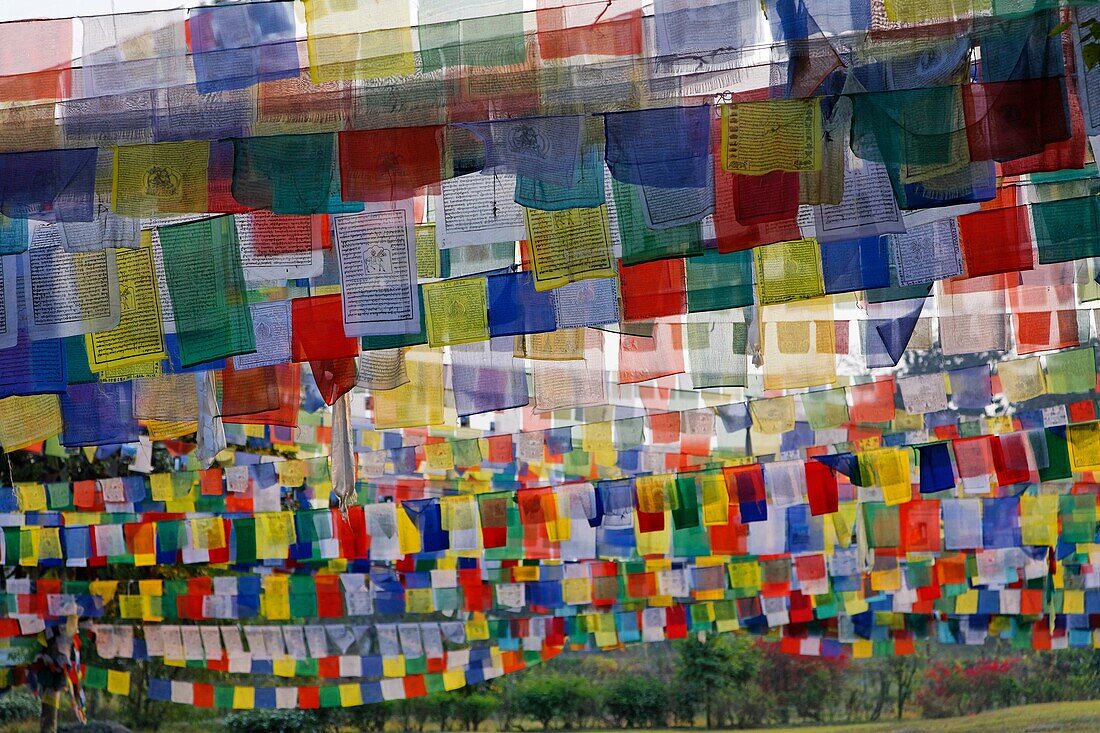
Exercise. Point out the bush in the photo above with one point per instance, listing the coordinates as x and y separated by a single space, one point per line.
966 689
269 721
567 698
801 688
441 708
748 706
1070 674
637 701
18 706
322 720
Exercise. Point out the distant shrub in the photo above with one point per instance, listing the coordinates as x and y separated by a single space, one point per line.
323 720
567 698
269 721
966 689
18 706
638 701
1070 674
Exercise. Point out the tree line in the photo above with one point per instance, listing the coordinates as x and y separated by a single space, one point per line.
725 681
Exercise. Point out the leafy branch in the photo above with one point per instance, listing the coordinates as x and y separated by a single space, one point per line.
1090 39
1090 42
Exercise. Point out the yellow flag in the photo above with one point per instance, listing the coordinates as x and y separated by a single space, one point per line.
744 574
118 682
1039 520
285 667
890 469
1084 446
167 429
152 587
454 679
921 11
440 455
161 178
358 39
244 698
292 474
458 513
208 533
1022 379
715 499
393 666
967 603
49 544
773 135
419 600
569 245
31 497
274 534
418 402
277 597
787 271
105 589
129 607
774 415
427 252
1073 601
408 536
457 311
28 420
139 336
576 591
351 695
799 343
161 486
477 628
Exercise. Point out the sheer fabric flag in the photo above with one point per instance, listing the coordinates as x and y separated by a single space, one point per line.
98 414
235 47
681 158
202 267
420 401
365 39
482 34
49 185
287 174
166 178
485 377
37 60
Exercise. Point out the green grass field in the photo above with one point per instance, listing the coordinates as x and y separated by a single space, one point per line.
1061 717
1057 717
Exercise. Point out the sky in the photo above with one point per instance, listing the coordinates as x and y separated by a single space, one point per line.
12 10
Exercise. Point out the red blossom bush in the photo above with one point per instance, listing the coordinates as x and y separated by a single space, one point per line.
966 688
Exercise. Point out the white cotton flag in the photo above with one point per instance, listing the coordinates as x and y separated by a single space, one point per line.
183 692
211 642
923 393
351 666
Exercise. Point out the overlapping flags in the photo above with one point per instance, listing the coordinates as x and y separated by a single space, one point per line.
429 342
